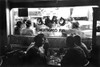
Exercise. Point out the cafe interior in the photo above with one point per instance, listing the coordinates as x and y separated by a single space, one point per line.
56 20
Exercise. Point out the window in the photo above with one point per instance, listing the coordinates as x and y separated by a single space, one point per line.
49 20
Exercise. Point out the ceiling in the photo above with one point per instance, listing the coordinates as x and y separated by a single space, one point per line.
51 3
34 0
73 1
51 0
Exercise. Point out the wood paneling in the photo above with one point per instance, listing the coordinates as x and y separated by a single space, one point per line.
54 42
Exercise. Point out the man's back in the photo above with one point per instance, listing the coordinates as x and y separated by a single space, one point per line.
27 32
74 57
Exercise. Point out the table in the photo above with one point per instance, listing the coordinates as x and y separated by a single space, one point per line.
54 57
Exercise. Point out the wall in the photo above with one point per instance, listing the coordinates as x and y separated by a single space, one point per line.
3 37
54 42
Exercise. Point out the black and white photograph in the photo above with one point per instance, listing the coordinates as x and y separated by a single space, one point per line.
49 33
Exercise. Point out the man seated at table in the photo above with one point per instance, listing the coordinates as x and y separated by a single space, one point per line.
75 56
37 51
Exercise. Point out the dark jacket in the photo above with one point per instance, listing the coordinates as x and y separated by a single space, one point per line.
74 57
